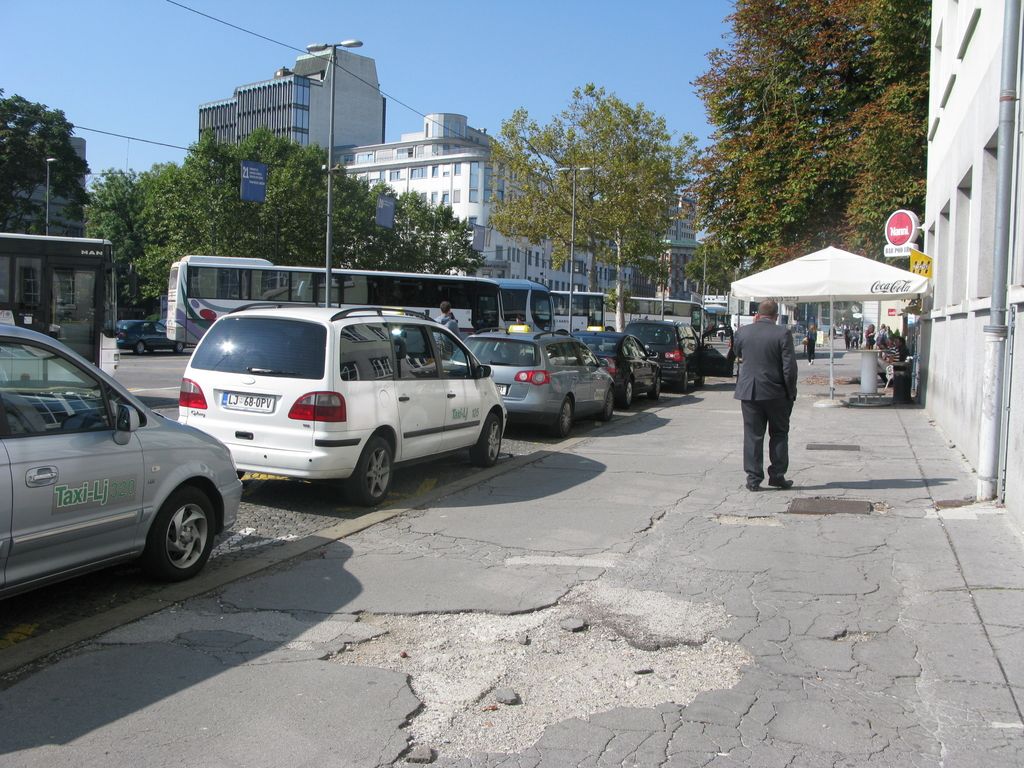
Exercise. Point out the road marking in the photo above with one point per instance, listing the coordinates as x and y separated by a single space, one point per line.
16 635
426 485
237 542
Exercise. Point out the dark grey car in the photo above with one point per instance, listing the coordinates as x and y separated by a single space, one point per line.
546 378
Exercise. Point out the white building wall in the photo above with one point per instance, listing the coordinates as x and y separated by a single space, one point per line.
394 164
959 227
358 103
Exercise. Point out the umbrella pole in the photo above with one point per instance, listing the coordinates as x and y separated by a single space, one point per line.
831 350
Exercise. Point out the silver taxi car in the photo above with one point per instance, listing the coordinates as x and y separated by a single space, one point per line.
89 476
548 377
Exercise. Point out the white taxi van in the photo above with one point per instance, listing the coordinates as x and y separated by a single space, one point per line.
89 476
327 393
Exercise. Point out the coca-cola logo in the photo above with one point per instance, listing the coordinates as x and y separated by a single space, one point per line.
896 286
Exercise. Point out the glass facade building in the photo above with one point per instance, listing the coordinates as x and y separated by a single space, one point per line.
280 105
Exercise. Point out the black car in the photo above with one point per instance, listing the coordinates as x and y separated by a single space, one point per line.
682 355
145 336
675 347
633 369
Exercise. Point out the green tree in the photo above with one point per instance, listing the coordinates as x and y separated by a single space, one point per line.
29 134
115 213
819 108
623 202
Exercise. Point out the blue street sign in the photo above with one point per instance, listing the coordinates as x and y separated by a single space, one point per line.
385 211
254 181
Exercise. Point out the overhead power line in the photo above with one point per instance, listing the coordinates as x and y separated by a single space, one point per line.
377 88
131 138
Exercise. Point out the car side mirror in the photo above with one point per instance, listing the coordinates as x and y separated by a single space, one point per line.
482 372
127 422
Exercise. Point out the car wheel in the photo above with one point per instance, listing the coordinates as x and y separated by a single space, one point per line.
180 539
655 391
139 348
626 396
685 383
488 446
609 406
563 422
179 347
371 480
699 381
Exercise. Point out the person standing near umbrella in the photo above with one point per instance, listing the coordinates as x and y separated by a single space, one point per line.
766 389
809 341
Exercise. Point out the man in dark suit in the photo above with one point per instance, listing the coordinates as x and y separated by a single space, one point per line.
766 389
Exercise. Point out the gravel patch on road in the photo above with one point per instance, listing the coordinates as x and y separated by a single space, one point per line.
640 649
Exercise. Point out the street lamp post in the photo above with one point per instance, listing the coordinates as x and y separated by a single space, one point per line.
333 48
48 161
572 236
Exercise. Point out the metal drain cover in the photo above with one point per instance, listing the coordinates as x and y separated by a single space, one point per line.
953 503
832 447
829 507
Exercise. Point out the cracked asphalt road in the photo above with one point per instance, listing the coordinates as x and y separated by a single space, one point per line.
889 639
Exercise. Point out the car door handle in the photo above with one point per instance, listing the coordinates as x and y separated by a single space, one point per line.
39 476
451 395
404 399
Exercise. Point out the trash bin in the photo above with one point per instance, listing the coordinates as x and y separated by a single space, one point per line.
901 383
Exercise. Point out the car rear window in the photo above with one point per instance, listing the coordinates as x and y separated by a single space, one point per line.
263 346
504 351
653 334
601 345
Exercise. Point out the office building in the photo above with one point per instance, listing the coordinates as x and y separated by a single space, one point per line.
448 163
295 104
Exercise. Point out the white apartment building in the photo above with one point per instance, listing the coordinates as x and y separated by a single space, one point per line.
960 234
448 163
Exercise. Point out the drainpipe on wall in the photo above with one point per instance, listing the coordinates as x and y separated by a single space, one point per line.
996 330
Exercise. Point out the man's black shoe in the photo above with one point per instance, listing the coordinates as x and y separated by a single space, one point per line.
753 486
782 484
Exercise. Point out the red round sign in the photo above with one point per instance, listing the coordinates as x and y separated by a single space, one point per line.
901 228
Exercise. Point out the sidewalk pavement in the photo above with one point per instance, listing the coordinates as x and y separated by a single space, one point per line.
624 601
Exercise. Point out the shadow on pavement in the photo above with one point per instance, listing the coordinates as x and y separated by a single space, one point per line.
144 665
879 484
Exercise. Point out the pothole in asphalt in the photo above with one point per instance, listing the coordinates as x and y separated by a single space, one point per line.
641 649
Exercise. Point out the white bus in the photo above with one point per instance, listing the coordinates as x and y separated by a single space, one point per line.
202 288
588 310
678 310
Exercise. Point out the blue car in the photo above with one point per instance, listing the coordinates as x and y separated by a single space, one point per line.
145 336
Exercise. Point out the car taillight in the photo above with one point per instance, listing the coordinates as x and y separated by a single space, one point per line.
122 335
610 367
675 355
191 396
319 406
533 377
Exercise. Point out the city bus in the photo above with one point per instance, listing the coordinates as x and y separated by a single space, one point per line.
63 287
588 310
202 288
678 310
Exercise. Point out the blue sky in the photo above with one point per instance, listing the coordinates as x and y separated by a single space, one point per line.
142 67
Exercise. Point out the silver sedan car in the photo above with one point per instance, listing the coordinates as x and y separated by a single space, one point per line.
548 378
89 476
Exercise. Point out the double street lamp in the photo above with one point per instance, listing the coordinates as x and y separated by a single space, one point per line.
48 161
572 234
315 48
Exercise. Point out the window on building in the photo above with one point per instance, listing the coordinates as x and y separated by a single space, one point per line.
472 221
445 199
457 169
395 175
456 195
446 170
419 172
434 170
433 198
364 157
474 195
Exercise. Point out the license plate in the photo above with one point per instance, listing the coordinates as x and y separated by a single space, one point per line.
502 389
237 401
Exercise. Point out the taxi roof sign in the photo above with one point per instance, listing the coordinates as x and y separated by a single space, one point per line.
519 328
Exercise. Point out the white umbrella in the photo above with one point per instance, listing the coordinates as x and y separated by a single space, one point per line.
834 274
